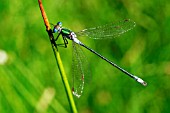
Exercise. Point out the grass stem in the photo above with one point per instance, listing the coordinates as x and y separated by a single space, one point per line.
58 59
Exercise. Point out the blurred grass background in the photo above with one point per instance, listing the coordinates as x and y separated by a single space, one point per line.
29 77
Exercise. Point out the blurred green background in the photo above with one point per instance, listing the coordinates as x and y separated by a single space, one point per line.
30 81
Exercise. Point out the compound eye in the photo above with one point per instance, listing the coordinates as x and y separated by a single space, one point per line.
55 30
59 24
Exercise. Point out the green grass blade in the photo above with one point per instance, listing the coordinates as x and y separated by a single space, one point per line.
58 59
64 79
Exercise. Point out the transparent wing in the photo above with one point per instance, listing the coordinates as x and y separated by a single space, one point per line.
80 70
109 30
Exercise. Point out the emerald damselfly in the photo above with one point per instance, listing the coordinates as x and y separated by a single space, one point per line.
79 65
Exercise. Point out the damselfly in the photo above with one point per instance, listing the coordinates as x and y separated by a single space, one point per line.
79 62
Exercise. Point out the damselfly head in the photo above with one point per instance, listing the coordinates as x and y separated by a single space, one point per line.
57 27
